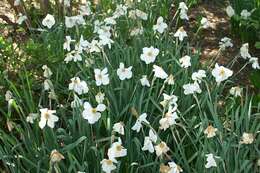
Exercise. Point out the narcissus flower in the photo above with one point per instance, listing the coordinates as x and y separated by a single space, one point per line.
161 148
67 43
244 51
48 117
160 25
168 120
56 156
116 150
92 114
144 81
107 165
174 168
138 124
169 100
183 11
205 23
124 73
78 86
230 11
21 18
247 138
159 72
185 61
149 54
225 43
211 161
198 76
47 71
210 131
221 73
191 88
254 62
119 128
48 21
181 34
100 97
101 77
133 14
148 145
245 14
236 91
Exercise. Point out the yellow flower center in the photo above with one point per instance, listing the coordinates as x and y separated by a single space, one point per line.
161 145
46 115
94 110
119 147
222 72
150 54
109 162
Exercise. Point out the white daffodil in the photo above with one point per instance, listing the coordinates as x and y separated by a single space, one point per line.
124 73
149 54
161 148
169 119
77 102
160 25
48 21
244 52
152 136
107 165
31 117
85 10
67 43
47 73
174 168
110 21
230 11
94 46
205 23
245 14
148 145
211 161
225 43
8 95
92 114
210 131
104 40
221 73
116 150
133 14
69 22
21 18
183 11
101 77
78 86
169 100
185 61
121 10
136 31
247 138
119 128
100 97
191 88
255 63
181 34
236 91
138 124
159 72
198 76
170 80
144 81
48 117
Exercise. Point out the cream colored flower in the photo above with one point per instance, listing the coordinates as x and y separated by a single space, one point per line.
230 11
116 150
185 61
210 131
247 138
107 165
149 54
159 72
181 34
221 73
56 156
48 21
48 117
119 128
236 91
161 148
144 81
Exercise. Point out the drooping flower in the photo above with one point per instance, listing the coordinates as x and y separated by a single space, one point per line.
56 156
85 10
161 148
244 51
133 14
236 91
245 14
149 54
148 145
198 76
138 124
191 88
47 71
170 80
31 117
185 61
160 25
181 34
144 81
183 11
67 43
210 131
225 43
107 165
221 73
78 86
247 138
92 114
168 120
137 31
100 97
121 10
210 161
48 117
230 11
116 150
169 100
159 72
101 77
124 73
205 23
254 62
119 128
174 168
48 21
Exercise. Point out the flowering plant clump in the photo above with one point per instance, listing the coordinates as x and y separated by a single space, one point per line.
130 95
